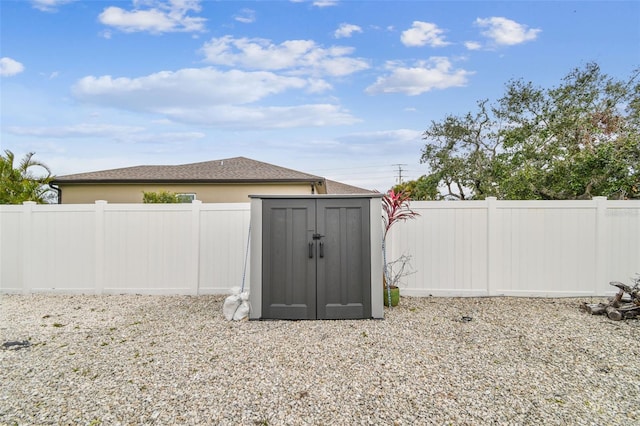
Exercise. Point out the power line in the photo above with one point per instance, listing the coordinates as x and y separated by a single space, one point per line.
400 170
347 168
359 174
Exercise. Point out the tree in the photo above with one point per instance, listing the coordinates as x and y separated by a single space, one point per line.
578 140
164 197
19 183
425 188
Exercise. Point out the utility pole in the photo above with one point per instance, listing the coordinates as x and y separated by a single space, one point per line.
400 170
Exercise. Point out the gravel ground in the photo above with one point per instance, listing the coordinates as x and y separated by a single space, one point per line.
131 359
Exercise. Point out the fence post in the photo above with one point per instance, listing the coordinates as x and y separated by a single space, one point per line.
1 264
492 248
194 271
26 232
600 286
100 251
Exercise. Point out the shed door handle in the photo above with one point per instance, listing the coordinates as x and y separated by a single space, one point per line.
321 249
310 250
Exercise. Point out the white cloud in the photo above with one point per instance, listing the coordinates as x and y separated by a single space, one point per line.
437 73
325 3
52 75
317 85
165 138
346 30
383 136
10 67
423 33
246 16
117 133
504 31
158 17
274 117
77 130
49 5
294 56
472 45
189 86
212 97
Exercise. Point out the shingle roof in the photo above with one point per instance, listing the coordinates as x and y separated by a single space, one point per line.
334 187
228 170
237 169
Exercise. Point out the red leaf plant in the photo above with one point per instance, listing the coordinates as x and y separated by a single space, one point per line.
395 208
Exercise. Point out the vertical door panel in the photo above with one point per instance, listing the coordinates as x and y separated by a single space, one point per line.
344 277
289 275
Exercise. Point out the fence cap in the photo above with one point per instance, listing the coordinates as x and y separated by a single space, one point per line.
314 196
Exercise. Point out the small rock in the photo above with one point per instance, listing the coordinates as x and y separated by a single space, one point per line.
15 345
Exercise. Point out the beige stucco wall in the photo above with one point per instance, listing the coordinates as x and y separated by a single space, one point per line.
207 193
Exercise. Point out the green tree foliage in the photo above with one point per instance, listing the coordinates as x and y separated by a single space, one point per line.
19 183
164 197
575 141
421 189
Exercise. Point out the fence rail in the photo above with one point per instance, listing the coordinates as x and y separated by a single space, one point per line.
474 248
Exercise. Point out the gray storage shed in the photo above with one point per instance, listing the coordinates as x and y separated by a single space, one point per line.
316 257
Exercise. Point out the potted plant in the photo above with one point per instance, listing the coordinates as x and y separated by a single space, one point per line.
396 270
395 208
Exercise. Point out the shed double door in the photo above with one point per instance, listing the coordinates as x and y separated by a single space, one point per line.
316 259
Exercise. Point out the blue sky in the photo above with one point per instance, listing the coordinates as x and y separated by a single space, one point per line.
341 89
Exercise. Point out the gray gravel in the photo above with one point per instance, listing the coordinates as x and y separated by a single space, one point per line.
130 359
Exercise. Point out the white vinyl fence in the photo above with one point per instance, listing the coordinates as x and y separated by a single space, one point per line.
123 248
471 248
519 248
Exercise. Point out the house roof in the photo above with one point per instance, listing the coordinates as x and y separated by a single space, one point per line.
237 169
228 170
334 187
